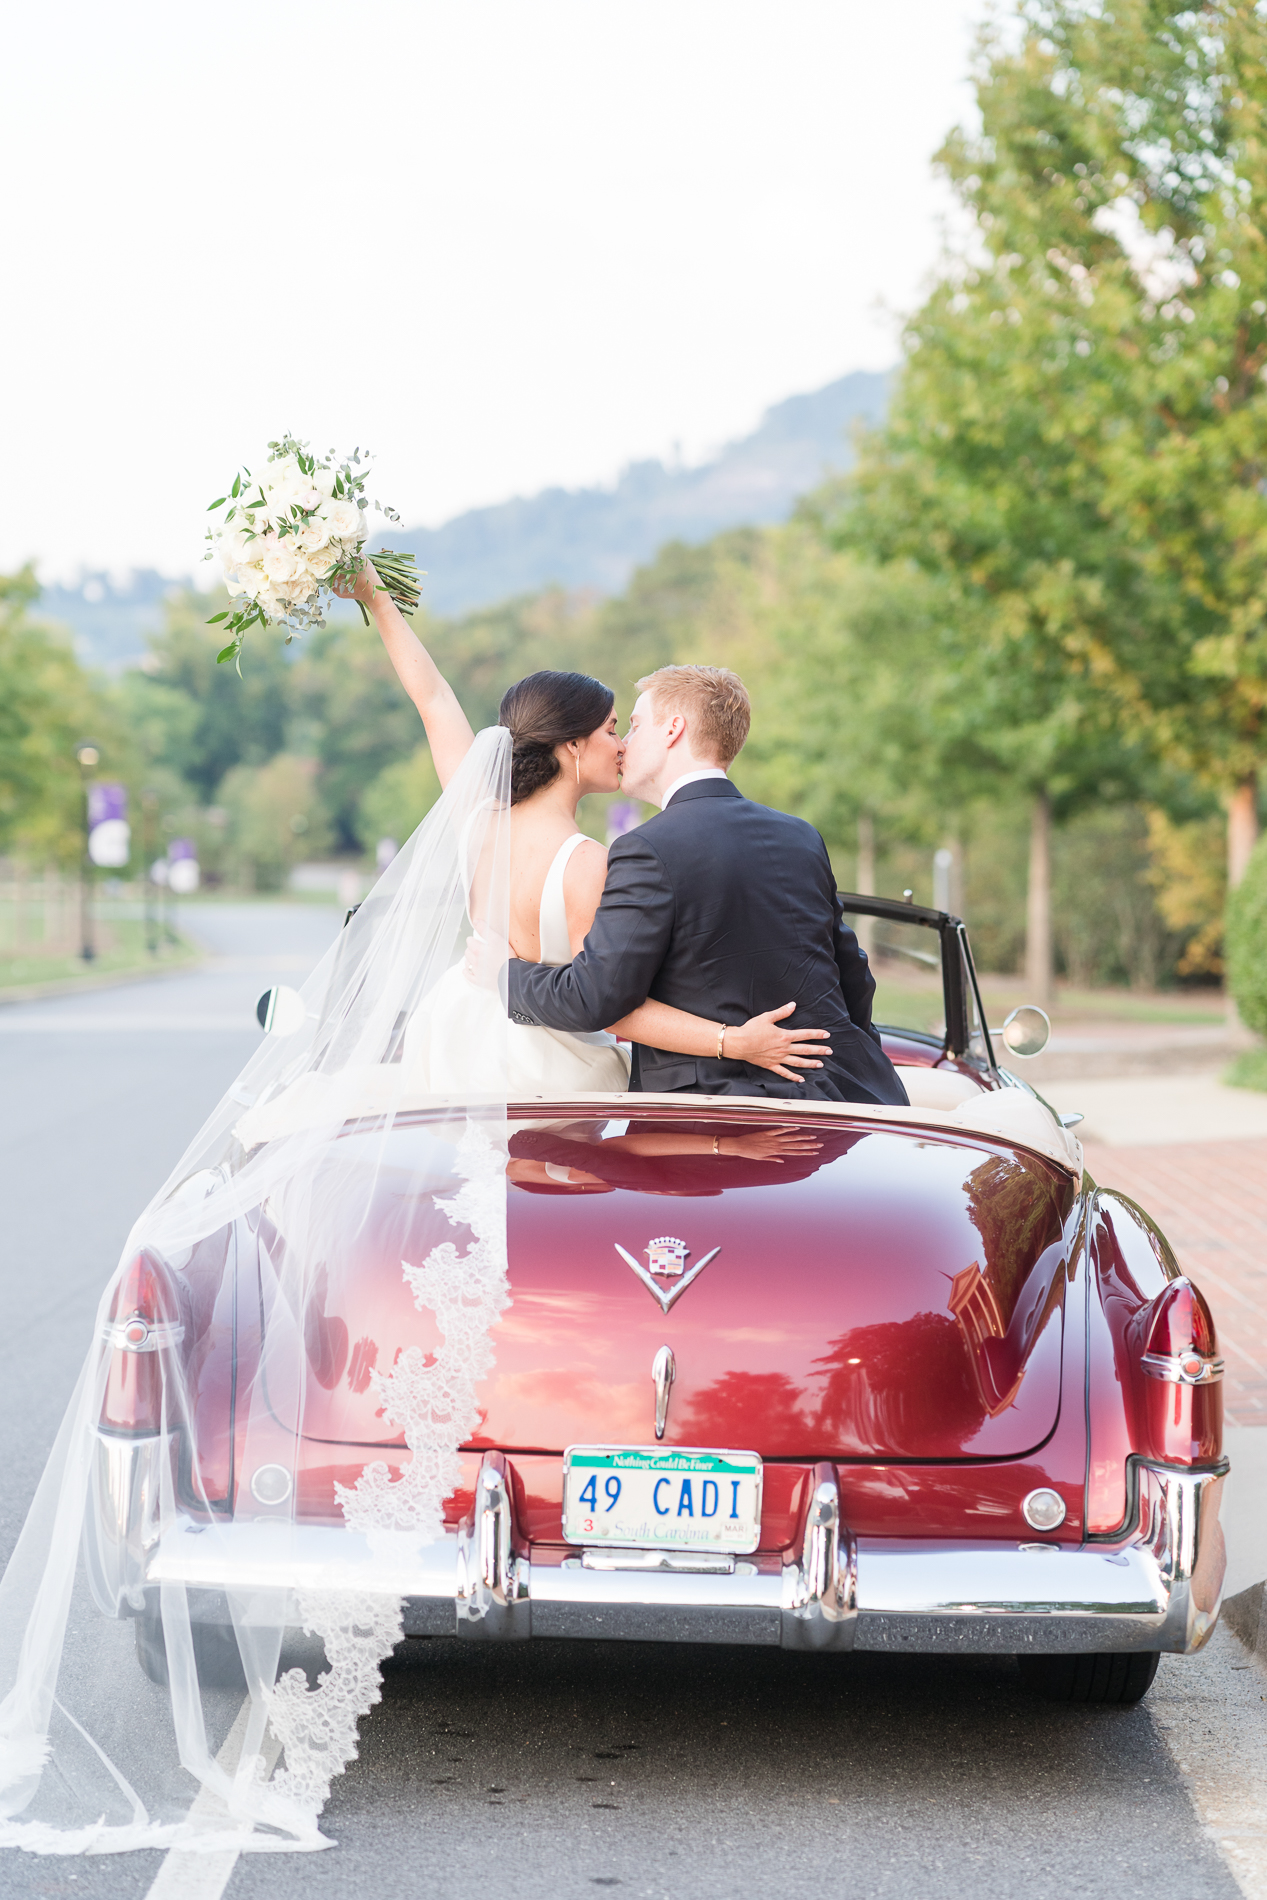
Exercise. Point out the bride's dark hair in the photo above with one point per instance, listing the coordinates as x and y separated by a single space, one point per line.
543 711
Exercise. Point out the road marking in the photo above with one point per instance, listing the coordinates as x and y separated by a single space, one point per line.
186 1875
1212 1711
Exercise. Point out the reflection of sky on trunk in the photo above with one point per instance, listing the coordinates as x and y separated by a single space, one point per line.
861 1303
886 1295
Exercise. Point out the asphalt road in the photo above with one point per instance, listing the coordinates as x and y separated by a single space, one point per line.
554 1769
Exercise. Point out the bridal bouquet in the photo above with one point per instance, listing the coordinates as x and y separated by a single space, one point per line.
290 534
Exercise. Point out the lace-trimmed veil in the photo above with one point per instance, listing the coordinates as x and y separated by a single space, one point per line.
233 1316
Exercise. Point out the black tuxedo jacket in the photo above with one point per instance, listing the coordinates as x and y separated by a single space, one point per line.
723 908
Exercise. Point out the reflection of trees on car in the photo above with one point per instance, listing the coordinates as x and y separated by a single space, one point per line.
722 1413
1018 1212
901 1386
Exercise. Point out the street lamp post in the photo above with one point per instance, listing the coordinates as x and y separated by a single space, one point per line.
88 756
149 821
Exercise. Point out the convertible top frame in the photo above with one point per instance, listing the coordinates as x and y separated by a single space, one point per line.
957 970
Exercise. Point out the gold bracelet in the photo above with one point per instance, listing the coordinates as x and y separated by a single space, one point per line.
721 1041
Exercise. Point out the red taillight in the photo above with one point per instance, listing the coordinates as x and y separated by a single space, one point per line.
1181 1323
1181 1384
144 1322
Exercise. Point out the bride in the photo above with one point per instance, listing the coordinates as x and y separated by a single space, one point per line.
564 744
175 1524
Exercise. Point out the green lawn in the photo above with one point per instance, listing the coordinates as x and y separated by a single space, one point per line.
1124 1006
121 948
1249 1071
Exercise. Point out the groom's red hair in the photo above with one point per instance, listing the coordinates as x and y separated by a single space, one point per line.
712 699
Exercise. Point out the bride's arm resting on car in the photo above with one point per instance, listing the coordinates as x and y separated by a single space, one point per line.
448 729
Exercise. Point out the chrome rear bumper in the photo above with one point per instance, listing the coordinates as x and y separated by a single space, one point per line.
1158 1589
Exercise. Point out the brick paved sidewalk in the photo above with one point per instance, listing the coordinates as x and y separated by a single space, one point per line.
1210 1200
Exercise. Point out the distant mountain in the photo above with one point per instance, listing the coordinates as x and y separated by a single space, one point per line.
596 537
577 538
110 621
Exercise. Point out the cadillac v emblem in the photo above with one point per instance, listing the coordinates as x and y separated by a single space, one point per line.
666 1260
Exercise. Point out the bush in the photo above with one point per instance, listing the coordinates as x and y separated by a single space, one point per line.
1249 1071
1247 942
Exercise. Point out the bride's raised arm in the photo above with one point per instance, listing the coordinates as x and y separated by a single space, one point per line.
448 729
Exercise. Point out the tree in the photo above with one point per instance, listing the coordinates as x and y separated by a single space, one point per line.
1247 942
659 618
49 704
352 714
1175 99
199 719
1078 437
398 800
275 819
844 663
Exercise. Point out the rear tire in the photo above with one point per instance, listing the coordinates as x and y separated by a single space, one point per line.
216 1656
1119 1677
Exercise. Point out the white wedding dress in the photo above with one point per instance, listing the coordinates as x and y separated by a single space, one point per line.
459 1031
265 1229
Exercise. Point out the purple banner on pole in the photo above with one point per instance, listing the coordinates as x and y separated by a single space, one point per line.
106 803
181 848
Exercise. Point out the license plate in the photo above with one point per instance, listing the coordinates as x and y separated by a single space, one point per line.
652 1499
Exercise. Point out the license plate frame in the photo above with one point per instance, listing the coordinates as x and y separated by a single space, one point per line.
643 1525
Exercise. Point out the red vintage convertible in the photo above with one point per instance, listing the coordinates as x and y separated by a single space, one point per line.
820 1376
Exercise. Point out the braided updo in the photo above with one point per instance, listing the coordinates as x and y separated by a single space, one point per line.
544 711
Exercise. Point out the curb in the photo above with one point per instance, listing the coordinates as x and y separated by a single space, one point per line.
1246 1616
110 980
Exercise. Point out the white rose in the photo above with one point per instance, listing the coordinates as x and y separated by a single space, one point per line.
284 485
313 535
323 560
345 519
282 472
323 482
245 571
279 561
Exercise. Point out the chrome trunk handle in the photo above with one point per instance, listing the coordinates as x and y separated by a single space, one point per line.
663 1373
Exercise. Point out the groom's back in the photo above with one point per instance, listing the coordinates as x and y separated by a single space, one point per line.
755 925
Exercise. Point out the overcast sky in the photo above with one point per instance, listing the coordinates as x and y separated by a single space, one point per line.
506 243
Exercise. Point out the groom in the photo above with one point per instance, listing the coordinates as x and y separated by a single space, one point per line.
717 906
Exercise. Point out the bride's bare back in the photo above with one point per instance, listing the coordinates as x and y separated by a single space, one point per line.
535 840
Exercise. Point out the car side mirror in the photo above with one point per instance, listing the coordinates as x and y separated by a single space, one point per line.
1026 1032
280 1011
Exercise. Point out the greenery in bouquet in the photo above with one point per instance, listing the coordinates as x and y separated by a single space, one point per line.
289 535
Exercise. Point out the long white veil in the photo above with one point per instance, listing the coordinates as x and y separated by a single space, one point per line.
231 1396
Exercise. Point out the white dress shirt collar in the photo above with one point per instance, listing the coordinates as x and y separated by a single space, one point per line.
692 778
